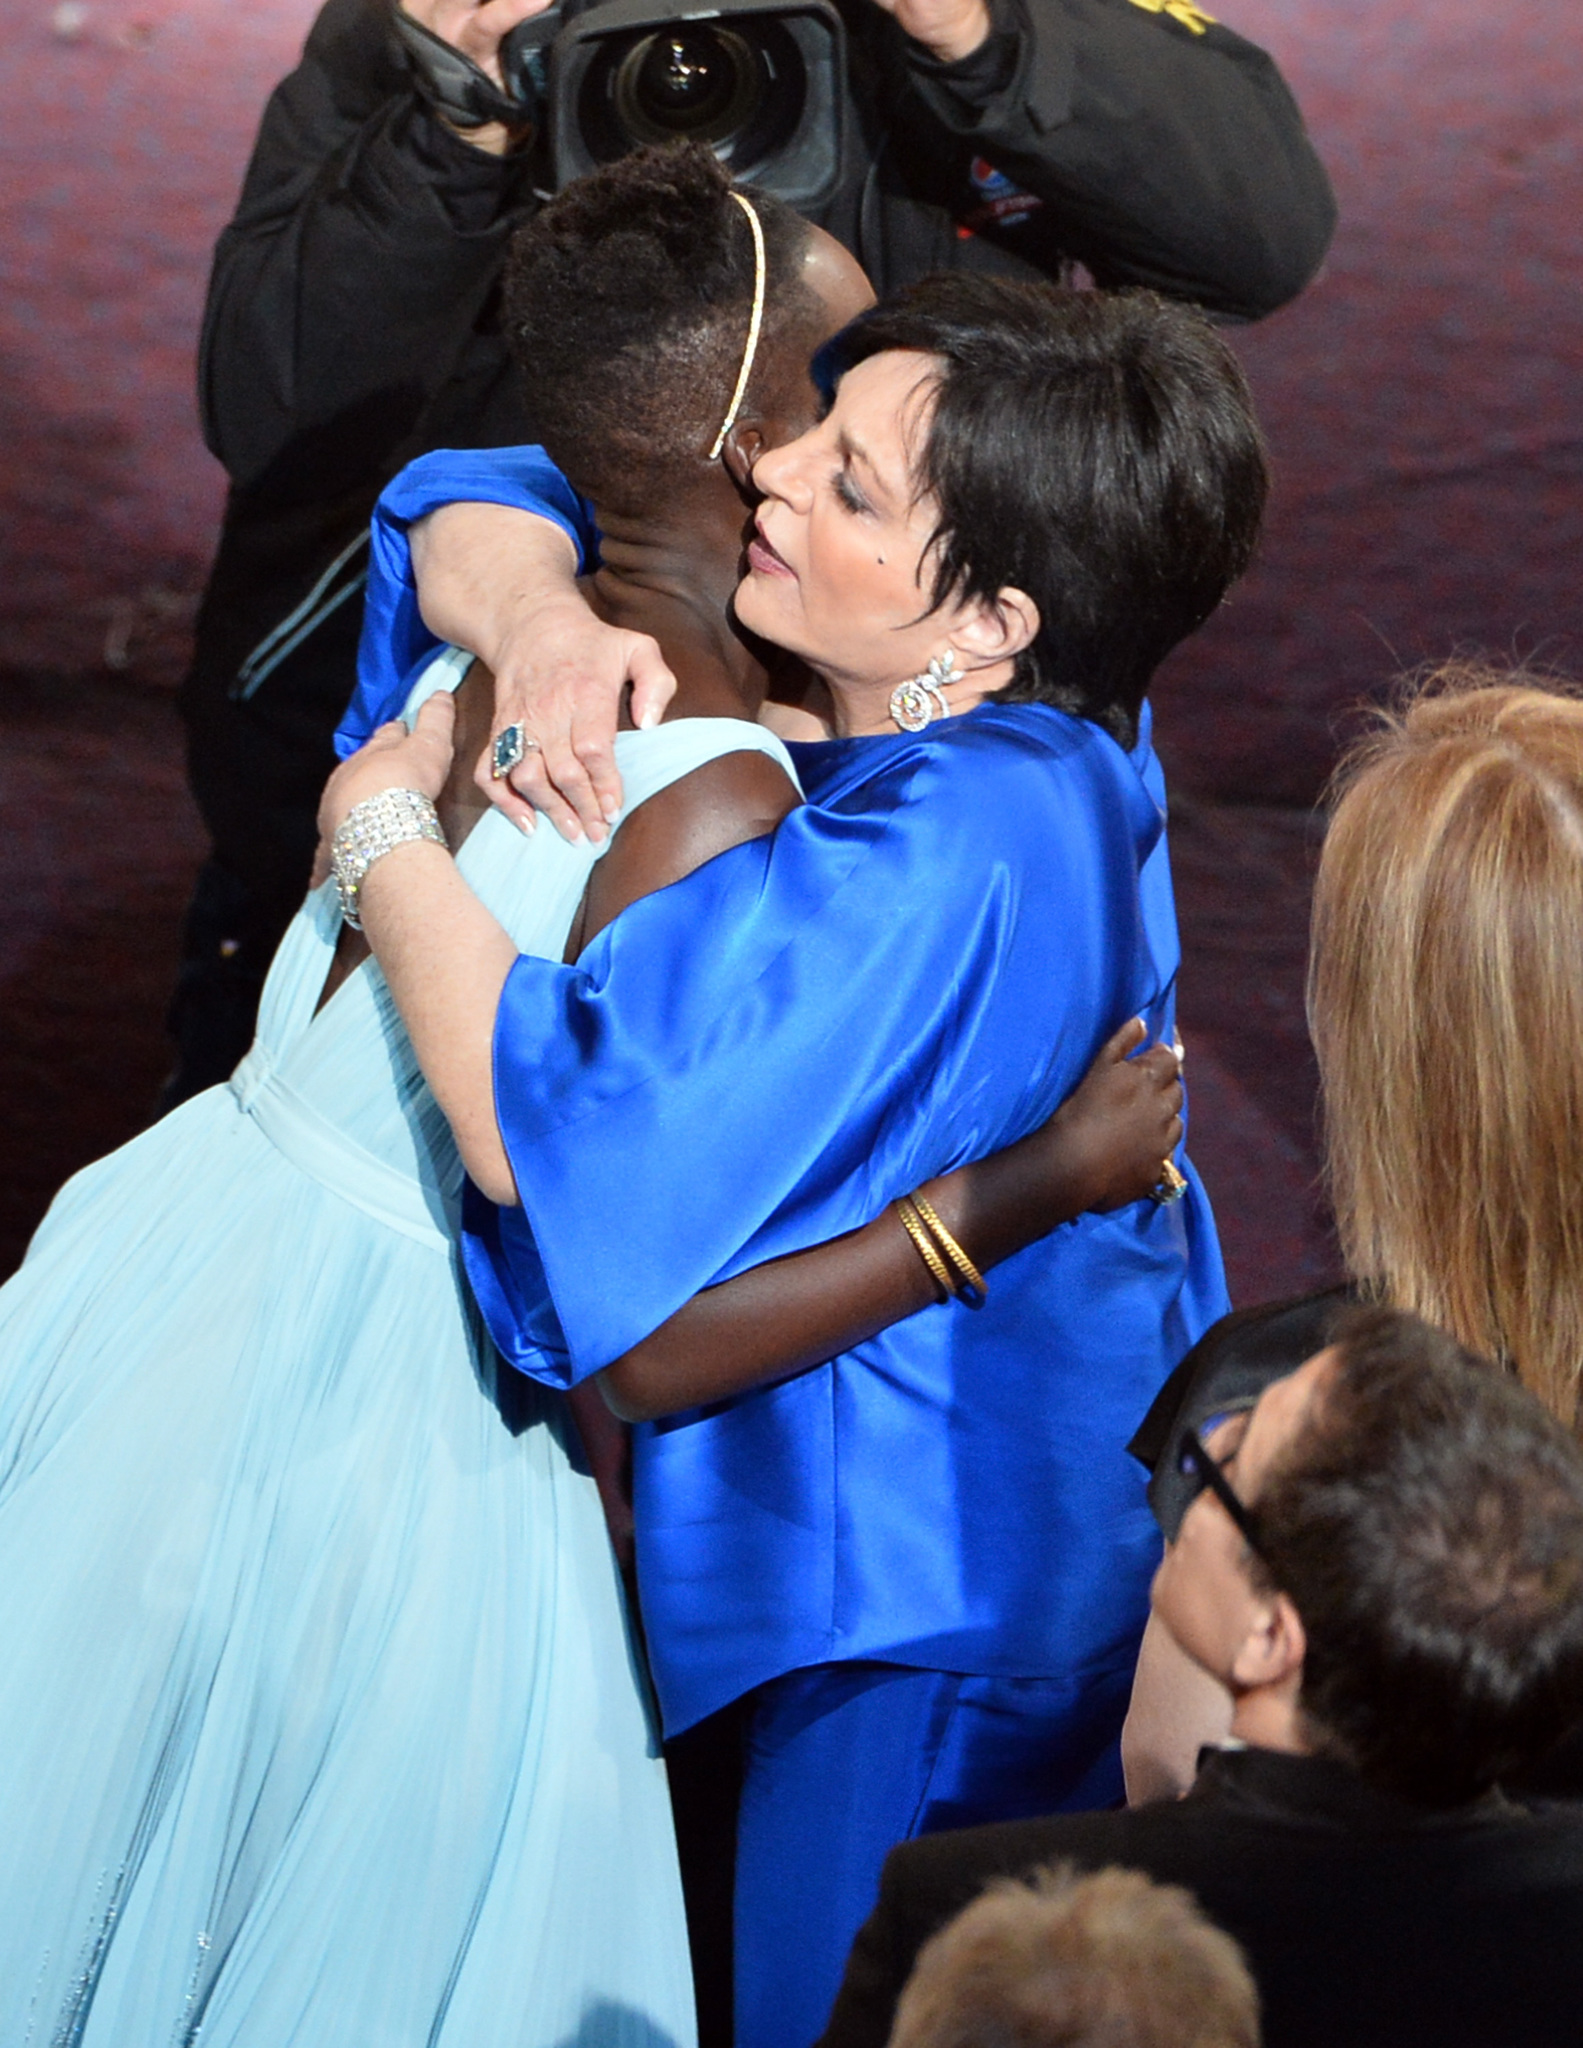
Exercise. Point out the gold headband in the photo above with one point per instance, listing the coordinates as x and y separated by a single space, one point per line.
754 325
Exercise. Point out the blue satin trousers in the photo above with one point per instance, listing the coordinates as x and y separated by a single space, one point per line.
842 1761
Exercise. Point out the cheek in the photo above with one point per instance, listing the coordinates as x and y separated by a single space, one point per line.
1163 1590
846 553
1182 1595
830 563
854 585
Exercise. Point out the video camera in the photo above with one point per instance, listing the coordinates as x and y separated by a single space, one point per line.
761 81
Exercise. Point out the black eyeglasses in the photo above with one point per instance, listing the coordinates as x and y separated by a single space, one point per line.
1197 1461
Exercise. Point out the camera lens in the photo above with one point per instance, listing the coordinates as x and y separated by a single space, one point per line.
693 81
740 91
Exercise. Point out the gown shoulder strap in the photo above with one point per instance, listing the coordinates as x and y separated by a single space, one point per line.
650 761
447 671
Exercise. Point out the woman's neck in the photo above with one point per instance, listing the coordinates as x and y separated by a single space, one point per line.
677 587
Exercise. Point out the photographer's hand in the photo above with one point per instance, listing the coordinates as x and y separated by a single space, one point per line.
477 28
948 29
502 583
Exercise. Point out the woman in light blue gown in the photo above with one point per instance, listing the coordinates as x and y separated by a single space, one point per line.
319 1719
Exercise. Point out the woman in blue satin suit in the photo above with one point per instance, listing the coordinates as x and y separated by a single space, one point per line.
908 1580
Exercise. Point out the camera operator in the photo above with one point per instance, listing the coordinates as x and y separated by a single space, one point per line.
351 325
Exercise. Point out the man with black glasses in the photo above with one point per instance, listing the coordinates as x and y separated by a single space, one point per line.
1383 1563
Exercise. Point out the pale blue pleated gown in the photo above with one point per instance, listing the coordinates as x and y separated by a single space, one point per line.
319 1717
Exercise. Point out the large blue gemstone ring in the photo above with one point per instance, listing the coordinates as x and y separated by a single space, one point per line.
511 746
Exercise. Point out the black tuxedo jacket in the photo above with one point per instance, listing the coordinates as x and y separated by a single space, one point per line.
1367 1923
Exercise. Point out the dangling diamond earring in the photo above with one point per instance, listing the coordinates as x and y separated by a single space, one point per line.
920 700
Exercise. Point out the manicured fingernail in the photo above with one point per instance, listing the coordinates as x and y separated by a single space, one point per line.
650 717
529 823
611 809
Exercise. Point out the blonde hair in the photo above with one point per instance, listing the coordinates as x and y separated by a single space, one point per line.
1445 999
1108 1961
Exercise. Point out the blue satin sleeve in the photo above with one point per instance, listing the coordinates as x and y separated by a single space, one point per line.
909 973
395 642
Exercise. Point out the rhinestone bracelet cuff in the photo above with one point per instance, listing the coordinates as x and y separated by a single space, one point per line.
371 829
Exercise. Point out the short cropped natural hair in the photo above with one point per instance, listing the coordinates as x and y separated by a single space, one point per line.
1097 450
1062 1961
627 305
1427 1524
1445 998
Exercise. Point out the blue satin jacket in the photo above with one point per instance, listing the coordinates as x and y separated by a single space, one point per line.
912 971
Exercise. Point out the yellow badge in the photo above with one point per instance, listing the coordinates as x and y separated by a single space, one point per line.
1179 10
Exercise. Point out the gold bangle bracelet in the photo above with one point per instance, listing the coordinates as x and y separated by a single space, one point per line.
938 1269
969 1275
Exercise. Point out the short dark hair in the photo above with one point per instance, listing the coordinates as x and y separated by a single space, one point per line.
1096 450
1428 1527
627 303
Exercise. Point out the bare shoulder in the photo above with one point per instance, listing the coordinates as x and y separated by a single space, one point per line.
735 797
